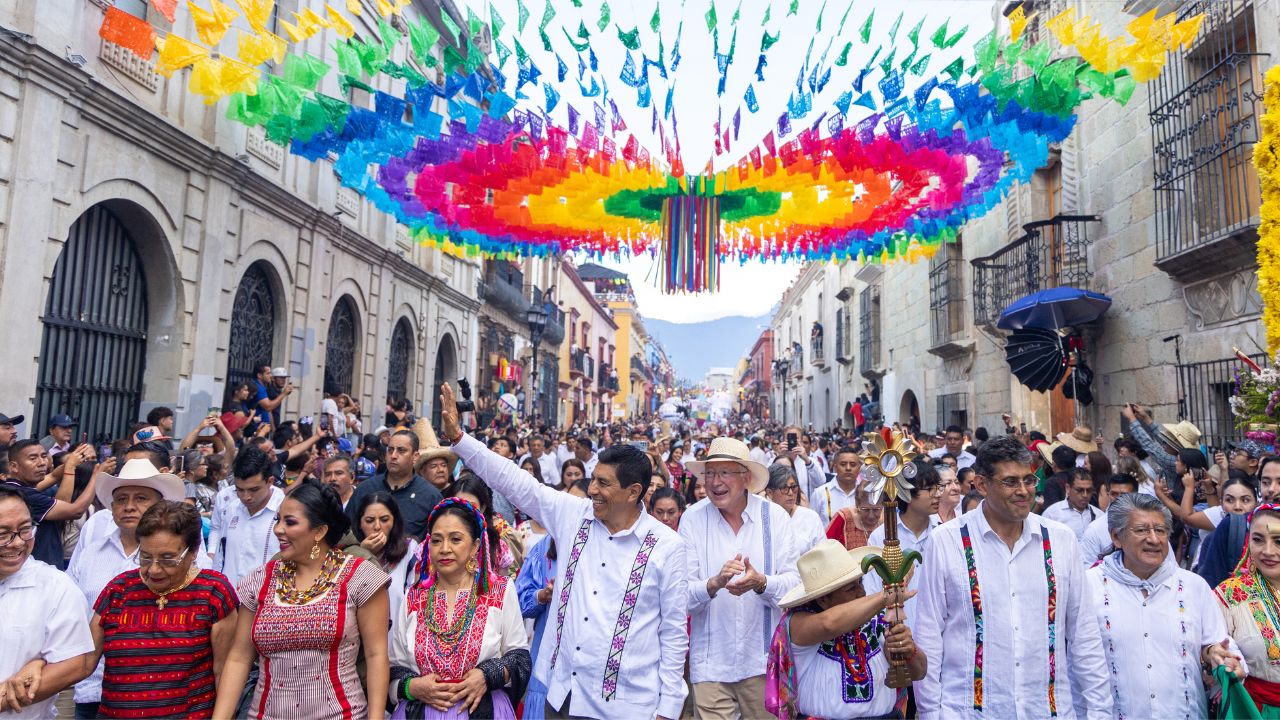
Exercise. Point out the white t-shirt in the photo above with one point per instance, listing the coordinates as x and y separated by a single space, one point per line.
330 407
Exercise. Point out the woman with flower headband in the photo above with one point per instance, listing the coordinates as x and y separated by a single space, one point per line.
1248 600
307 614
459 648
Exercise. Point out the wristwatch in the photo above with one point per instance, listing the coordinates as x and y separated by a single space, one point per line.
760 590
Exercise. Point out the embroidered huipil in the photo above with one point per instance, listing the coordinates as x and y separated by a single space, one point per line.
985 611
729 635
617 636
1153 644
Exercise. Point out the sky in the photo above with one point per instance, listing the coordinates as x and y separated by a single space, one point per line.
754 288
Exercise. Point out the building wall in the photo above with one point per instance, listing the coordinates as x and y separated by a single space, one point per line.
203 198
576 296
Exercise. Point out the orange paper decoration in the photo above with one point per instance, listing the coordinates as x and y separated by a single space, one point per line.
131 33
166 8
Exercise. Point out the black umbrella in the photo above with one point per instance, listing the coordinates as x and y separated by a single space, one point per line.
1036 357
1077 387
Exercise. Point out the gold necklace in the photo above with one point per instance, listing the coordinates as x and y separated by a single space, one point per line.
162 596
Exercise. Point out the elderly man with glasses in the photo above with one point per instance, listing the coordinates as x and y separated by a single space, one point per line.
1003 597
742 560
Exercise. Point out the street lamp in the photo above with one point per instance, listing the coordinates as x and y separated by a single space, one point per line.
537 319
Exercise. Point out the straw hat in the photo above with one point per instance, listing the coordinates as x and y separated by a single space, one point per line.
1046 450
1181 435
1079 439
429 446
728 449
140 473
827 567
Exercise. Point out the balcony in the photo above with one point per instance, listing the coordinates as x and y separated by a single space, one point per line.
844 341
1204 125
503 288
817 346
1050 253
582 364
869 337
946 309
606 379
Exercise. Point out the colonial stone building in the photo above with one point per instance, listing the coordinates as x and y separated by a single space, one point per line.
151 250
1154 204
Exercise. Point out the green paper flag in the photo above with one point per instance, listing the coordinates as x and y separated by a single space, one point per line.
348 58
795 8
737 13
603 22
865 31
546 41
579 46
893 31
522 15
548 14
1036 57
503 51
390 36
655 22
711 17
888 61
423 37
522 55
450 27
583 32
951 41
921 65
821 11
767 42
914 34
577 3
768 13
939 37
844 55
955 69
631 39
474 23
495 20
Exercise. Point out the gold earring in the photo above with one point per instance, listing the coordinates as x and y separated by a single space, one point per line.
471 566
315 550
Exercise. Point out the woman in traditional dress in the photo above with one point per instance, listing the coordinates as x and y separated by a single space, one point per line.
165 628
459 647
833 635
307 614
675 467
1248 601
504 542
852 526
380 530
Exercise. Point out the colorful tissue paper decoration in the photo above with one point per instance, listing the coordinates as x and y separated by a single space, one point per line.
481 158
1266 158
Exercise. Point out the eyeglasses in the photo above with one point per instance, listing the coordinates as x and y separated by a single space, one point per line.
935 489
723 474
1159 531
789 488
1015 483
25 533
145 561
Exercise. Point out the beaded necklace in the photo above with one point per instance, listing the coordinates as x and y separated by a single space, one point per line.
461 621
1111 647
286 575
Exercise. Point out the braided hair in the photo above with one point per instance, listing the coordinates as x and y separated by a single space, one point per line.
476 525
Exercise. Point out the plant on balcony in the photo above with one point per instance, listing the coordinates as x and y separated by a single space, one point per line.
1266 157
1256 402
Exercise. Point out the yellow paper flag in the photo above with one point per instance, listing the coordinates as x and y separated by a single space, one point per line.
311 20
254 49
1017 23
206 80
354 7
176 53
239 78
295 33
384 8
212 24
340 24
257 12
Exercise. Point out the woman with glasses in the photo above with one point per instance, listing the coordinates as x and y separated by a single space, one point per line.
784 490
949 503
164 629
1158 622
852 526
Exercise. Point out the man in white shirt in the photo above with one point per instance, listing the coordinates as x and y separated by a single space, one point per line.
242 537
953 444
916 520
1095 542
742 560
615 646
546 461
584 450
333 420
44 628
1003 599
757 452
1075 511
840 493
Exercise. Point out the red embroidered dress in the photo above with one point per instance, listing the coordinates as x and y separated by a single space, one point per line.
159 663
308 653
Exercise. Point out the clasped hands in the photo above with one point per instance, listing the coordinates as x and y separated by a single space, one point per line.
441 695
750 580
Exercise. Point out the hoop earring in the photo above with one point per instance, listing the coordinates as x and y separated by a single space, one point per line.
315 551
471 566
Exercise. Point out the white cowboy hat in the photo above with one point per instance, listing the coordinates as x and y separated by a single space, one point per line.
1079 439
728 449
827 567
429 445
140 473
1181 435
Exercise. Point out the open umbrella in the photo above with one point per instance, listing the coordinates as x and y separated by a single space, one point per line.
1036 358
1054 309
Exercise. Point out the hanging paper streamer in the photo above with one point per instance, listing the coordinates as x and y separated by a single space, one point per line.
129 32
690 259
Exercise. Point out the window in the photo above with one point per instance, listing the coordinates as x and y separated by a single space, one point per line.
953 409
136 8
1204 392
869 318
946 293
1204 110
844 342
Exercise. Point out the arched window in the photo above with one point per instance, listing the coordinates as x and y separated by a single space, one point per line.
400 357
340 347
253 324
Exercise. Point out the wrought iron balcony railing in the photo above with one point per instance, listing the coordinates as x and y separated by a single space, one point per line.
1050 253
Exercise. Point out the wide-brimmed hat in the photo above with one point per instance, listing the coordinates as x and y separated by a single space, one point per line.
1046 449
139 472
279 372
727 449
1181 435
429 446
827 567
1079 439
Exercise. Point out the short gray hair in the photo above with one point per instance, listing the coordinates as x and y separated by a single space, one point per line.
779 474
1122 508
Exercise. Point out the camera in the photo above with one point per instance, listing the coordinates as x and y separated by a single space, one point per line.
465 405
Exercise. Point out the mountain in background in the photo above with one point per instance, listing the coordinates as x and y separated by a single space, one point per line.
693 348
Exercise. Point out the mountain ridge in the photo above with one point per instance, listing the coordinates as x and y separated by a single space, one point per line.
694 348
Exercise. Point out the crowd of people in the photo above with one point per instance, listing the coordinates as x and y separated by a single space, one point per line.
275 568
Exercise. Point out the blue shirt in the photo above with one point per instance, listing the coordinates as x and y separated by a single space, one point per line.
260 394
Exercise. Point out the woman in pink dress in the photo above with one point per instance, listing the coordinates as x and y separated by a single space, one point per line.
305 617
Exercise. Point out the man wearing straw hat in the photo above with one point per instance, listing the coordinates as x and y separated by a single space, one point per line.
836 635
742 560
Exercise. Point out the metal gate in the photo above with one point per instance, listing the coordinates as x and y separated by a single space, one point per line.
253 326
401 351
94 346
340 348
